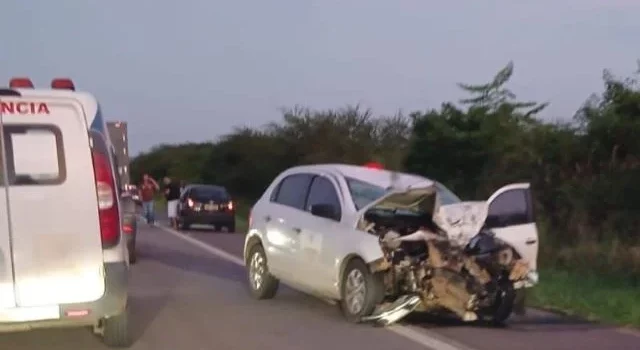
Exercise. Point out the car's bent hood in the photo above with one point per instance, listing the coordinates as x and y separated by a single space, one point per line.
406 198
462 220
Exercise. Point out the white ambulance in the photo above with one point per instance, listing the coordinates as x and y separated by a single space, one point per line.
63 257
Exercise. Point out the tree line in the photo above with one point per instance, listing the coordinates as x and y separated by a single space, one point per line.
584 170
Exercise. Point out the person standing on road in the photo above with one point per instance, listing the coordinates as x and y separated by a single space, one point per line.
172 194
148 189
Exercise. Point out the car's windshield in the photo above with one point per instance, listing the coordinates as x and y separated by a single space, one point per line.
445 195
363 193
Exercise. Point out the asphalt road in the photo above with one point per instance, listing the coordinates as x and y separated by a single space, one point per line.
189 292
534 331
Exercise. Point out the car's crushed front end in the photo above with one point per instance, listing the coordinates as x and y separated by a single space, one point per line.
438 264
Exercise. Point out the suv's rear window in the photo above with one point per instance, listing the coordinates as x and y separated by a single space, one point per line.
202 194
34 155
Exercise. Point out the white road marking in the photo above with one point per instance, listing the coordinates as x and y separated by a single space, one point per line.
207 247
629 331
426 338
423 337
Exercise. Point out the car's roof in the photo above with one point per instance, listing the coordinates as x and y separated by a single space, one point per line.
217 187
379 177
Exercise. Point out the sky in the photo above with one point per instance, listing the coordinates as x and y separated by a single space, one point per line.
190 70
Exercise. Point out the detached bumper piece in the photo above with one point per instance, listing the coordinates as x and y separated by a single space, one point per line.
392 313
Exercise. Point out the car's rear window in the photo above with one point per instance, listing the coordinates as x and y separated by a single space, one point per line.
209 193
34 155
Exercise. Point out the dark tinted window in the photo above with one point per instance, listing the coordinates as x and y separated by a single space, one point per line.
322 191
34 155
292 191
209 194
509 208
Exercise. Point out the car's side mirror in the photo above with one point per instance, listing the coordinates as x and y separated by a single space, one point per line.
323 210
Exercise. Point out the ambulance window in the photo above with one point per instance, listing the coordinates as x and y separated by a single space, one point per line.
34 154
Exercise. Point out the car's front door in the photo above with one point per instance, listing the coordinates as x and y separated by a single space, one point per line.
510 215
320 236
283 220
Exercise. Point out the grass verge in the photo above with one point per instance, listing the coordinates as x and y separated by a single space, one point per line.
588 295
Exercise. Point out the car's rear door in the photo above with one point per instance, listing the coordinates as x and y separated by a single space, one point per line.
510 215
57 249
7 296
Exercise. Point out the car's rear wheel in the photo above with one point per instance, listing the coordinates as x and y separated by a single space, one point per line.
232 227
115 331
262 284
361 291
133 256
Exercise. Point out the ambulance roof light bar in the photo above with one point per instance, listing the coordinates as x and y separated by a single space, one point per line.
20 83
63 83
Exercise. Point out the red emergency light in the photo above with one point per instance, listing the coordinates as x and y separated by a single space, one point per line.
374 165
21 83
63 83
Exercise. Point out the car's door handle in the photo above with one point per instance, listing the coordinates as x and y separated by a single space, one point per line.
267 218
531 241
297 230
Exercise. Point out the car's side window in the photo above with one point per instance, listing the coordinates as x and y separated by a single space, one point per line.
292 191
322 191
509 208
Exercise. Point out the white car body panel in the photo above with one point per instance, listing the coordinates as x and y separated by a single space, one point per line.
51 251
308 252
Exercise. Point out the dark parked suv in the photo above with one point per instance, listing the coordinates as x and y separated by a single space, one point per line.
206 205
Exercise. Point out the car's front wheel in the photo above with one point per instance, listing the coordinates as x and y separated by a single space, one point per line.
361 291
262 284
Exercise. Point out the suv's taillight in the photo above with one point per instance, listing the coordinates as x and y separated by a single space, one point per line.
107 203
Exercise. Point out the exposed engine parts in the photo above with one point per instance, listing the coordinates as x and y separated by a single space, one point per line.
473 281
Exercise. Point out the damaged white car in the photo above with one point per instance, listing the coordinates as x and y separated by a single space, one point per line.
384 244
